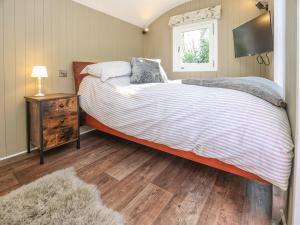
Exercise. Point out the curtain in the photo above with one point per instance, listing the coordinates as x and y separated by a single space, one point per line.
196 16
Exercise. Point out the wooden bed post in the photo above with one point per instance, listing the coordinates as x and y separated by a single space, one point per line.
279 205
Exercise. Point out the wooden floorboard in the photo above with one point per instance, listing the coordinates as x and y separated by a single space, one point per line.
189 200
129 164
147 186
147 205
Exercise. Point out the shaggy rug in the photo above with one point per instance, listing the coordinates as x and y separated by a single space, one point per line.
60 198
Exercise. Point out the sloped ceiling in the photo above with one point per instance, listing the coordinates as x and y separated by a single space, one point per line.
138 12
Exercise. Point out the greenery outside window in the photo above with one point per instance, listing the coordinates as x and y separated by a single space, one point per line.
195 47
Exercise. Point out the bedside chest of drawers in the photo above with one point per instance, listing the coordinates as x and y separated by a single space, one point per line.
52 120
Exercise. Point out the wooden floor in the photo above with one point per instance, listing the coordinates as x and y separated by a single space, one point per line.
147 186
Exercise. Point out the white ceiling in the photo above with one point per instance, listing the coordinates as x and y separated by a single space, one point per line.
138 12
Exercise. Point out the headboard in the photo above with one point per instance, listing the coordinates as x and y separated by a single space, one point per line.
77 68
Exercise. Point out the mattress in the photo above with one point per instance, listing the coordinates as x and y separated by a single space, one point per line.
231 126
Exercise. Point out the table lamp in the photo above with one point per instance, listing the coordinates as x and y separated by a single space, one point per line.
39 72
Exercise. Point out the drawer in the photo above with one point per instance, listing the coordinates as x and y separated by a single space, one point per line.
64 106
59 122
55 137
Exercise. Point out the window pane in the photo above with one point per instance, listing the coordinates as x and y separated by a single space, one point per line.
194 46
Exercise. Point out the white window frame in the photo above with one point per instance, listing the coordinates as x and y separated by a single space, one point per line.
296 185
279 44
213 47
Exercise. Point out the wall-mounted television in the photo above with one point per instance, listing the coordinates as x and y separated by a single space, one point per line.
254 37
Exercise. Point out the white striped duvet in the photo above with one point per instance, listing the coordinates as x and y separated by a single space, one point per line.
232 126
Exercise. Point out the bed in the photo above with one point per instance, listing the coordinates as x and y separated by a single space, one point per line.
225 129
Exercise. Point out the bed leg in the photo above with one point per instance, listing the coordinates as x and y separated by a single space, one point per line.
279 203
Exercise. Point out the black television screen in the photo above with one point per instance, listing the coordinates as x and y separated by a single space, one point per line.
254 37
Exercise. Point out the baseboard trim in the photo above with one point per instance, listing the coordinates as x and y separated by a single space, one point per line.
86 131
35 148
17 154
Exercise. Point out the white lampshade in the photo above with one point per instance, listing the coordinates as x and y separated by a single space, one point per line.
39 71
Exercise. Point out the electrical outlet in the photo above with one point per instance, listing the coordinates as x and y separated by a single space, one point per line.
62 73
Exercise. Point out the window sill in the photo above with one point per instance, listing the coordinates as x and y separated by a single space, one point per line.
192 70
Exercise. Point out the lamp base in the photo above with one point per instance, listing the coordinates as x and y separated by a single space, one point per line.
39 95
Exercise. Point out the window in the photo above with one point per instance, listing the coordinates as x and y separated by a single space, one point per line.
195 47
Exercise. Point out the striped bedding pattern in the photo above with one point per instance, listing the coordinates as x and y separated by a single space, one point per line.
232 126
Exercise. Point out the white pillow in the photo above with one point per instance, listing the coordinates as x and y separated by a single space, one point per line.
106 70
163 73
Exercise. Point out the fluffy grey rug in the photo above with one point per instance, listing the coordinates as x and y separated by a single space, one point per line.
60 198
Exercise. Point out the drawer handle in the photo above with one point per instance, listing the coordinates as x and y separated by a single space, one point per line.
62 121
61 105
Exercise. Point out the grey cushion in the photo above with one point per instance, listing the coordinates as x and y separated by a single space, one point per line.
145 71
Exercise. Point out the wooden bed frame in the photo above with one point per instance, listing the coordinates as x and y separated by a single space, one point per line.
279 196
